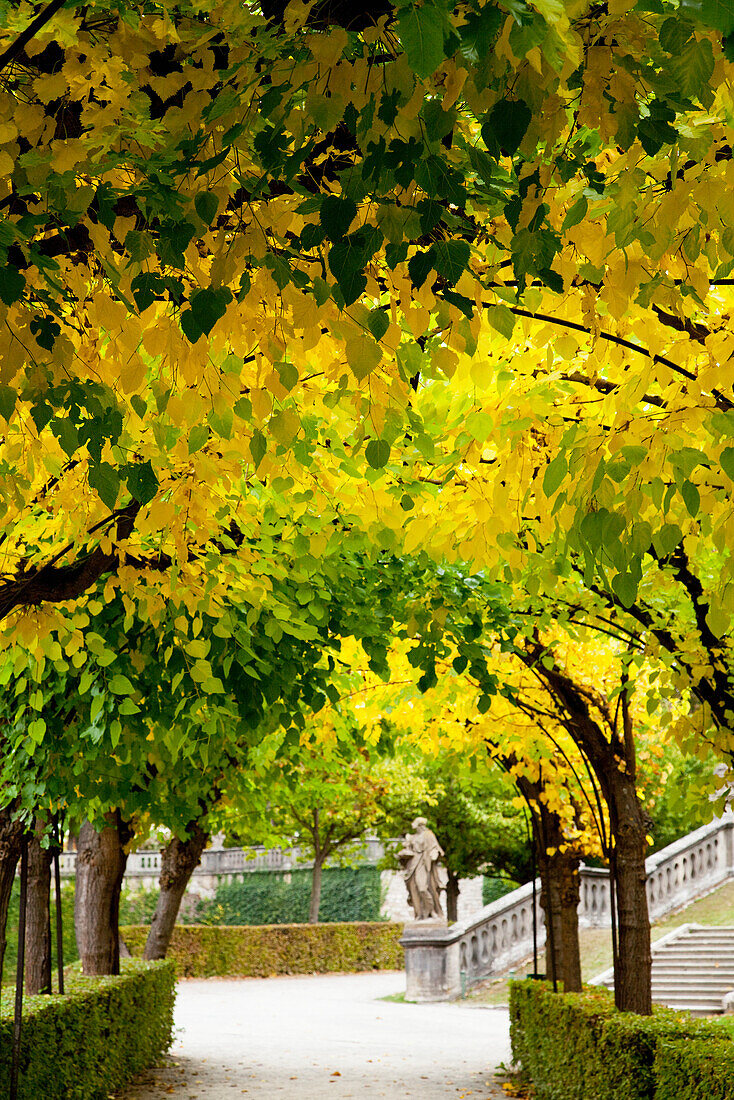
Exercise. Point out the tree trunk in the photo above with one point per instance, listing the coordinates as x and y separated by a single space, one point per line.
559 898
632 982
11 833
313 913
100 866
38 916
452 896
179 860
559 892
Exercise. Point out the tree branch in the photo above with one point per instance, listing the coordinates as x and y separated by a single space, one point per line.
31 30
58 583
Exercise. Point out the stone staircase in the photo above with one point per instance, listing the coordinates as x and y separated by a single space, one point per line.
692 969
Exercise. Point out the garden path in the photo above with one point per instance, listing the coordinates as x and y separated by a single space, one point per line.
330 1036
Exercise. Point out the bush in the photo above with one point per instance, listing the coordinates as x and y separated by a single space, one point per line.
263 951
270 897
577 1046
95 1038
495 887
695 1070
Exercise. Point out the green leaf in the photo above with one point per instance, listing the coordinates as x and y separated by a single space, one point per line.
438 122
141 481
450 259
12 284
727 462
421 32
378 323
554 474
576 213
502 319
36 730
336 215
625 587
694 67
714 13
418 267
666 539
258 447
378 453
466 305
105 480
348 258
505 125
206 205
691 496
8 398
198 437
120 685
207 306
139 245
674 33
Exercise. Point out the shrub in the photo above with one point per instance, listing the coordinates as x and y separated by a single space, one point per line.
95 1038
696 1069
199 951
272 897
577 1046
494 887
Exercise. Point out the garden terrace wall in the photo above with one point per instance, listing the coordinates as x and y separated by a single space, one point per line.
93 1040
577 1046
262 951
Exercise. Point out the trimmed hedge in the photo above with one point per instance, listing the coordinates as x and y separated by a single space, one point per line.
274 897
262 951
94 1039
699 1069
577 1046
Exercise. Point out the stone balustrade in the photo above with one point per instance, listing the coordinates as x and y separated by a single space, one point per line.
439 962
216 862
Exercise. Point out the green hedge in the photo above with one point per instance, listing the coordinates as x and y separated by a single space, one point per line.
700 1069
94 1039
272 897
496 887
204 951
577 1046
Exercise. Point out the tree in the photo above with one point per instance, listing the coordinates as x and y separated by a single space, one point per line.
468 804
186 241
321 800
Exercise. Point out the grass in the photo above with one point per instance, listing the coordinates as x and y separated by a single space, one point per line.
716 908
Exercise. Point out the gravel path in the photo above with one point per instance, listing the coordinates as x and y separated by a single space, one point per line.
327 1036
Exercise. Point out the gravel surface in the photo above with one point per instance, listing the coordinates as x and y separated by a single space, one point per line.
325 1037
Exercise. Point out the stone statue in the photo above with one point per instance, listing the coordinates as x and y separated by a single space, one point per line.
424 876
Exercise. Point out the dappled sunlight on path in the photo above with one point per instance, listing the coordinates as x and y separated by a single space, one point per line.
327 1036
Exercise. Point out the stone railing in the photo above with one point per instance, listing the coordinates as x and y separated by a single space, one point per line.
217 862
440 961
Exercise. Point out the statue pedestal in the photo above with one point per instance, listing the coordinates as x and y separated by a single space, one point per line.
431 961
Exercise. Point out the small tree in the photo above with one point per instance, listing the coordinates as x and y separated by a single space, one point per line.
468 804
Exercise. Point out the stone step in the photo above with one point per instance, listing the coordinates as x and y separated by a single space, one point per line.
680 956
703 987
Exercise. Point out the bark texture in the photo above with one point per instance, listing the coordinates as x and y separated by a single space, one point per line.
38 916
11 833
100 867
632 978
180 858
559 897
